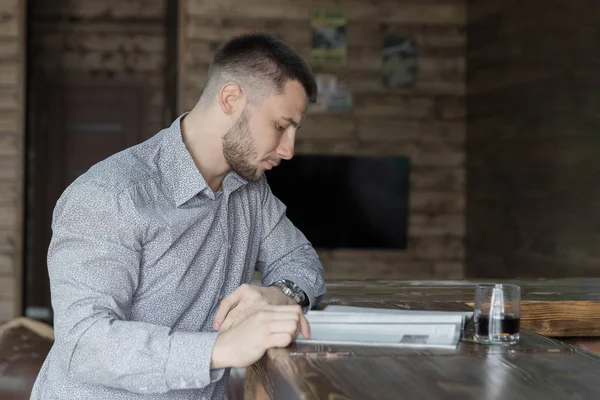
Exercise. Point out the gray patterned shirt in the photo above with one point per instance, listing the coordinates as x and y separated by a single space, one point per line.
141 254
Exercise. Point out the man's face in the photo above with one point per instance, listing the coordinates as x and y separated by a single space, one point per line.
263 136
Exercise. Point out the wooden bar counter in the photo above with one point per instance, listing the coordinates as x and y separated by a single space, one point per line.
539 367
559 307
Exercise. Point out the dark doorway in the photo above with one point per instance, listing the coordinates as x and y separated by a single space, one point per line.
72 126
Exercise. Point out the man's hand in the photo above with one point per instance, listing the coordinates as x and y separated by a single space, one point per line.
246 300
245 343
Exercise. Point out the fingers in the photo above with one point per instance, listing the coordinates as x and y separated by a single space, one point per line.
285 319
304 326
280 339
281 312
237 314
296 313
247 295
287 308
284 326
226 305
230 319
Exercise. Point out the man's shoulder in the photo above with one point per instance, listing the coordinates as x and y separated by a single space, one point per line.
123 170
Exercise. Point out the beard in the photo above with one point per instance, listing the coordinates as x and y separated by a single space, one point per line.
239 149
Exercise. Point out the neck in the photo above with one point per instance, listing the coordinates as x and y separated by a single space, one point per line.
203 137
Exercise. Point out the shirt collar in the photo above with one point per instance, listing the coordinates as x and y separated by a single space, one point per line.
233 181
180 170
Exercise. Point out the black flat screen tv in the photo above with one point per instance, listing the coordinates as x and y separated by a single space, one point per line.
339 201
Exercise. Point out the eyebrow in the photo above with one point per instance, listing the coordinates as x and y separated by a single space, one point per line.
293 122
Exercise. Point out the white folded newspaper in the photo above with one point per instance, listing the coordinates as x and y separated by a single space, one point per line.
351 309
361 326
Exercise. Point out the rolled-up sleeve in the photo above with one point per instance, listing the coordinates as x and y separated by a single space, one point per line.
94 267
285 253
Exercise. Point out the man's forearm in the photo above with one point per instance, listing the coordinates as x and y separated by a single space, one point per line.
302 267
285 253
139 357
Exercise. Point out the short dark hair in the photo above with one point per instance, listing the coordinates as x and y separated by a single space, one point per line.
260 62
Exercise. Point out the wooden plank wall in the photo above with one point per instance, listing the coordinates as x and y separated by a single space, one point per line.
12 105
426 123
533 138
118 40
71 39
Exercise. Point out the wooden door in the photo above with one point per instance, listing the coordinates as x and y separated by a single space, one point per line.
73 126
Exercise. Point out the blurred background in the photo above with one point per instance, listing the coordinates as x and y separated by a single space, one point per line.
452 138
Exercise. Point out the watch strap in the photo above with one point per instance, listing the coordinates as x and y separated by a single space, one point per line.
294 291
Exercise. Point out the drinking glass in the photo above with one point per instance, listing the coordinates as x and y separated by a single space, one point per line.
497 313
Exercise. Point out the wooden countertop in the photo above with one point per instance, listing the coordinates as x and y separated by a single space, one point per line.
538 367
557 308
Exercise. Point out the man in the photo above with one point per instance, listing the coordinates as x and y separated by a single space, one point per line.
152 248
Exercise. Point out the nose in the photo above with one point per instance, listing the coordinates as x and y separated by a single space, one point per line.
285 149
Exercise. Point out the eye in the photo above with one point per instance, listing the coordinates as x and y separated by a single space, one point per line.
280 128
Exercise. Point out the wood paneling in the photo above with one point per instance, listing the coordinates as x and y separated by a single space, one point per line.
109 43
426 123
12 106
6 264
533 144
9 145
113 9
108 39
406 12
9 216
9 98
8 192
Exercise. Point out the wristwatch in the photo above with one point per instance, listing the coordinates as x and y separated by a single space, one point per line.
292 290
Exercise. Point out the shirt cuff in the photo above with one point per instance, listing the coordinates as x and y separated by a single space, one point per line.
188 364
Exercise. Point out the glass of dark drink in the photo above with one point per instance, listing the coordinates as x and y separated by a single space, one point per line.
497 313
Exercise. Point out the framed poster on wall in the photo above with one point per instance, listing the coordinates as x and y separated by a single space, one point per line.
328 38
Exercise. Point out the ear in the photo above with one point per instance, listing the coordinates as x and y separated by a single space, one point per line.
230 98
